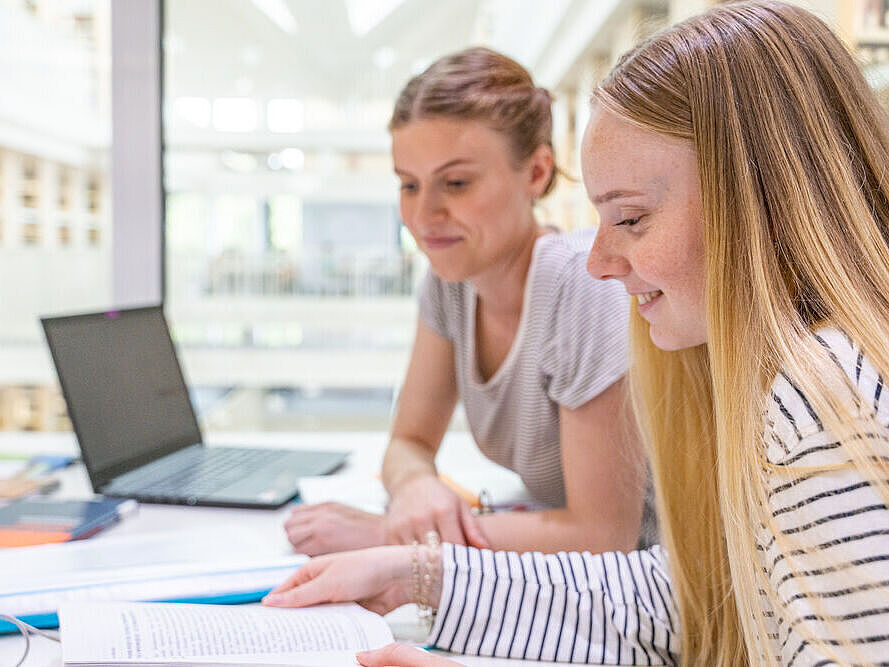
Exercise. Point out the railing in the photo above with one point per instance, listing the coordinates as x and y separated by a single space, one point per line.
280 274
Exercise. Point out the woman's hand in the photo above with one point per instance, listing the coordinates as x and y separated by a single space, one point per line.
401 655
424 504
329 527
379 579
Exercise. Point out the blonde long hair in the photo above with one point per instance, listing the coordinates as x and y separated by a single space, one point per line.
793 157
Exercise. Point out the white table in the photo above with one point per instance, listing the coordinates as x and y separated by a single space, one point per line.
458 453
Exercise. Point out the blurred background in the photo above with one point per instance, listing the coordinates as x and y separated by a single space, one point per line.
276 245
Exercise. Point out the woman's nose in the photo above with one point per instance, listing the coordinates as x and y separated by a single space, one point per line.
604 263
430 207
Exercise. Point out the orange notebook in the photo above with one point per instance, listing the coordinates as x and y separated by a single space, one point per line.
43 521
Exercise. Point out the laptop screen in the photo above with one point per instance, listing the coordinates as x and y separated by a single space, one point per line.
123 386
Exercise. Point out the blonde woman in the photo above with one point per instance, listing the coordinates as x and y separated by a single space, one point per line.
740 166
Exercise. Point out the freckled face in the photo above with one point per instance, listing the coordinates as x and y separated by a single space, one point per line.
651 235
462 197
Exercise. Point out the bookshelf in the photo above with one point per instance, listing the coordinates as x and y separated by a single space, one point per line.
53 226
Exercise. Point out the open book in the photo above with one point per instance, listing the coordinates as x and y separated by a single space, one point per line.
143 633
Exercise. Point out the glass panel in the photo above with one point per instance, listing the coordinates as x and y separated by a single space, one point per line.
290 279
55 234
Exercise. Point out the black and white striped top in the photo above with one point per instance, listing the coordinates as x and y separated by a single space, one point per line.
616 608
571 344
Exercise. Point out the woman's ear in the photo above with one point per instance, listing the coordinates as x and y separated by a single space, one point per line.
540 170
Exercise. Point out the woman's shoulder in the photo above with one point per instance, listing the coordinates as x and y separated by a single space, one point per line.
559 247
793 426
559 268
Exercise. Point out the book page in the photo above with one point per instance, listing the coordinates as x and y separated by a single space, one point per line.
114 632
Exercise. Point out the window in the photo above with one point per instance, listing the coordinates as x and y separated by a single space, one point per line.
290 280
55 230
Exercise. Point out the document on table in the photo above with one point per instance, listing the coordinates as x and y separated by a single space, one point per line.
174 634
157 566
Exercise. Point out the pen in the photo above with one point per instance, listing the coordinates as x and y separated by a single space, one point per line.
461 491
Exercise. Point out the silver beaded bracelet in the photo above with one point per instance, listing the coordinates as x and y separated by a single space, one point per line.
424 572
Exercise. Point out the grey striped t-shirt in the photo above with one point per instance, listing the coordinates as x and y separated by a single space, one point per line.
571 345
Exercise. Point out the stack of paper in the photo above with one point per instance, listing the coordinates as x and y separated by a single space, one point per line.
176 565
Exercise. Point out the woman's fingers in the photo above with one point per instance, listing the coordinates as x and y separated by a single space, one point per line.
401 655
415 529
302 594
472 529
449 528
302 575
333 527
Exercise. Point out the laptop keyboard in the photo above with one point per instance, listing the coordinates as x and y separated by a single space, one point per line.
197 471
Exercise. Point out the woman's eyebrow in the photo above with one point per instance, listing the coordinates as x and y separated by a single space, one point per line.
453 163
450 163
611 195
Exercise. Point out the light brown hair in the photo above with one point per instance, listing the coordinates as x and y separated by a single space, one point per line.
487 86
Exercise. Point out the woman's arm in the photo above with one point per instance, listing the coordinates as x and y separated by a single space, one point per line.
611 608
425 405
605 478
419 502
827 557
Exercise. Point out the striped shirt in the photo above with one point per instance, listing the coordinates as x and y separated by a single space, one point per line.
571 344
615 608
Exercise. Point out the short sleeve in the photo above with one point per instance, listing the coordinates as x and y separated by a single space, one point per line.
433 312
585 349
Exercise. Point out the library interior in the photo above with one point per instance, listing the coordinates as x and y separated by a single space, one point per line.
230 162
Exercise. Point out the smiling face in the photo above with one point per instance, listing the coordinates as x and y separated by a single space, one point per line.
466 202
651 234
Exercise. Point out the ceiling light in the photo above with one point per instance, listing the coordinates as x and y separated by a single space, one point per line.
195 110
278 13
285 115
384 57
365 15
234 114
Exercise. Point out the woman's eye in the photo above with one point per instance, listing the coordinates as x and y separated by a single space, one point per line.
629 222
457 184
408 187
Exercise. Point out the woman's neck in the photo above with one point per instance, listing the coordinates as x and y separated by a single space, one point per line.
501 287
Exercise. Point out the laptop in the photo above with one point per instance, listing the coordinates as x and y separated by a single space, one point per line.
136 427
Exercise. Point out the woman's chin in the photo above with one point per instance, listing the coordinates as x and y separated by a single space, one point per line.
672 341
450 274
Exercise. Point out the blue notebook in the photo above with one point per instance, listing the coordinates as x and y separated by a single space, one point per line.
44 521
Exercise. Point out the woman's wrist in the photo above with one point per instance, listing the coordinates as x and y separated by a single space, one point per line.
414 563
426 577
407 478
404 461
436 576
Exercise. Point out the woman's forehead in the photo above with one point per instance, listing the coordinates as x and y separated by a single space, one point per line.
441 138
618 154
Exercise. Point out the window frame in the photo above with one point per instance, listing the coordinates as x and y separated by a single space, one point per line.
137 192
